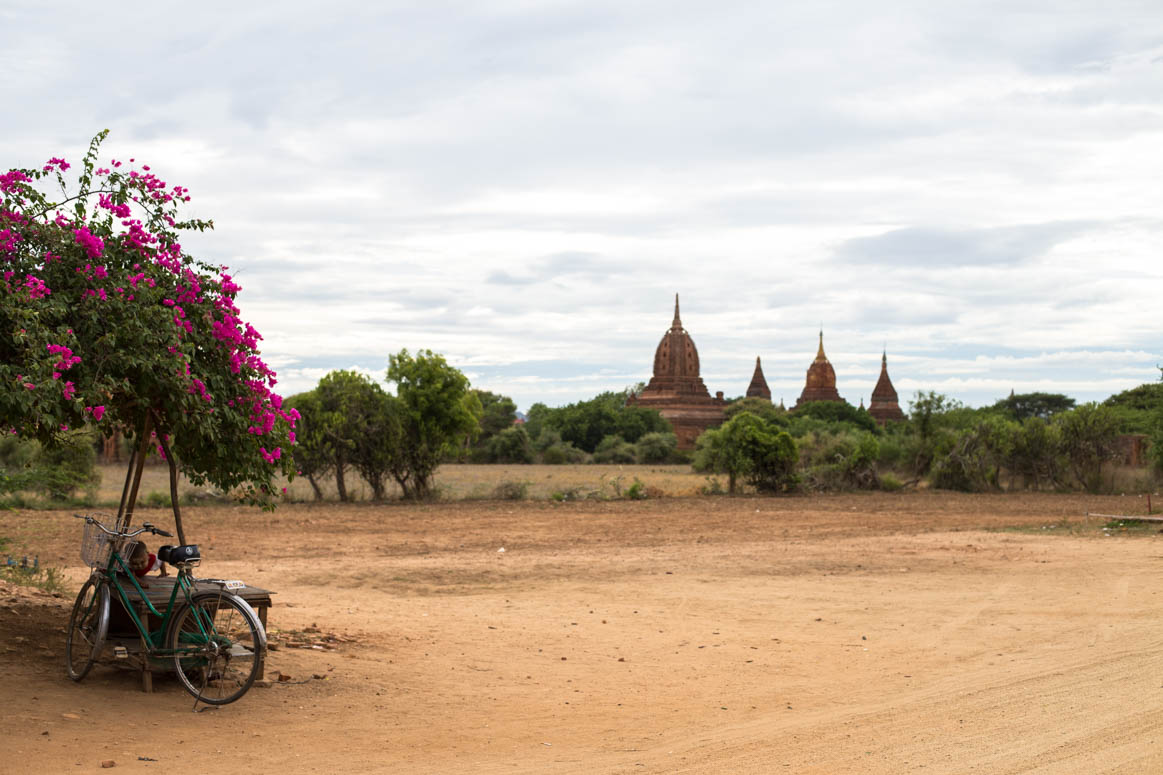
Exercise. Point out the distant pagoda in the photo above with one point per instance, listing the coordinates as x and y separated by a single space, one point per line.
676 390
884 406
820 384
758 387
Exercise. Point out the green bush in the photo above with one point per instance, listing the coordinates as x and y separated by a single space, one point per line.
1088 437
511 445
56 472
561 453
637 490
841 461
748 447
656 448
511 491
841 412
156 499
586 423
890 483
712 487
759 407
615 449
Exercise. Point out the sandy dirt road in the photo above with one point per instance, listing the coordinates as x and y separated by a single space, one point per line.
858 634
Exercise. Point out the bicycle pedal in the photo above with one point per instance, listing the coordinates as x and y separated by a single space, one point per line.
120 652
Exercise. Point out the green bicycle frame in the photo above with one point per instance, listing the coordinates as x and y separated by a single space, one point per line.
153 640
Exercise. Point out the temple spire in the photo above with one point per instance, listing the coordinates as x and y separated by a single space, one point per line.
758 387
820 353
885 405
677 323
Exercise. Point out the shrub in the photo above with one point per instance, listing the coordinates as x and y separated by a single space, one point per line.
1088 435
561 453
712 487
890 483
510 446
656 448
511 491
842 461
156 499
615 449
747 447
637 491
838 412
55 471
569 494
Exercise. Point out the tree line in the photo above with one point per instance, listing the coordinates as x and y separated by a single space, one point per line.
1029 441
350 425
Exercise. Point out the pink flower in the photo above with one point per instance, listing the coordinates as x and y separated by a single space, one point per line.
36 287
98 412
92 244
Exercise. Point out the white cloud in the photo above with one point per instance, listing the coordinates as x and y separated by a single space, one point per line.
523 186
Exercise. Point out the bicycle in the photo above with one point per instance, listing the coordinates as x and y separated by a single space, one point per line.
215 639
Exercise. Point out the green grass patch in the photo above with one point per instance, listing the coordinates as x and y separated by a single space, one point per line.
47 579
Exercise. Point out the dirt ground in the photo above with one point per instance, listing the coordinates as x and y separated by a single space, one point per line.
923 632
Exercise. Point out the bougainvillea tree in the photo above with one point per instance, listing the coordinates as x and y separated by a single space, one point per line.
106 321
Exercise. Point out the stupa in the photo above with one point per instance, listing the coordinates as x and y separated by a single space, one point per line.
820 384
758 387
676 390
884 406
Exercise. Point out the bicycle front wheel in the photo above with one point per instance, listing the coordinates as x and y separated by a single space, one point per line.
88 626
218 646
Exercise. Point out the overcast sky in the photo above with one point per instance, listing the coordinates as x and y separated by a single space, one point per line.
524 186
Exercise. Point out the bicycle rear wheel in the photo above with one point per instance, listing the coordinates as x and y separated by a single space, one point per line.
88 626
219 645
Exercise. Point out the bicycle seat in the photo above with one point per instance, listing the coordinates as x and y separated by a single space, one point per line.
178 554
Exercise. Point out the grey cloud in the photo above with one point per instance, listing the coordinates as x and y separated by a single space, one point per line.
1006 245
502 277
558 266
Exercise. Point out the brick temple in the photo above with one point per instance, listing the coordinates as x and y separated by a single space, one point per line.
676 390
758 387
820 384
884 406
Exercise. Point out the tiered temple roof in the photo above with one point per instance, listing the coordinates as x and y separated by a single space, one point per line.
758 387
820 384
884 406
676 390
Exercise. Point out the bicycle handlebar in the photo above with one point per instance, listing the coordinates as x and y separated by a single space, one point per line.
145 528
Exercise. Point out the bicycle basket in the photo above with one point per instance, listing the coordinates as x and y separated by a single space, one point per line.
96 546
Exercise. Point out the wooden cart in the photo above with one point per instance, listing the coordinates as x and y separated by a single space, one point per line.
123 635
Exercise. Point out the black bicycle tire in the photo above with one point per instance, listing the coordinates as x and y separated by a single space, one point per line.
100 633
258 637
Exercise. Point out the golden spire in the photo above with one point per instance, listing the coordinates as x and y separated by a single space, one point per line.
820 353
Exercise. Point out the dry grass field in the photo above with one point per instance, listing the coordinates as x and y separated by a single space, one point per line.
457 482
873 634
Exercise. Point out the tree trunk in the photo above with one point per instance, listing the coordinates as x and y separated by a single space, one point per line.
128 480
125 517
173 488
315 486
339 483
402 480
